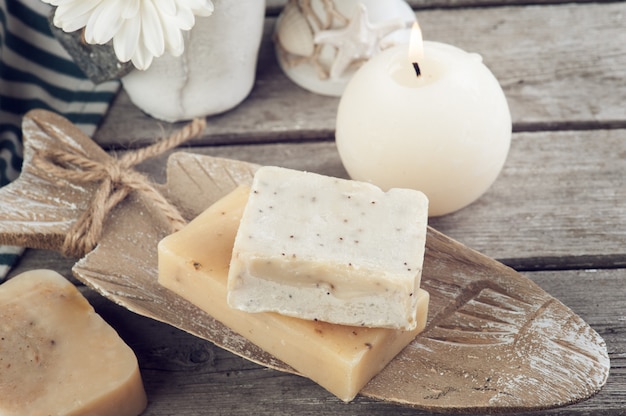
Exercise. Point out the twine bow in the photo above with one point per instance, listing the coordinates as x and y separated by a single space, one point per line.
117 179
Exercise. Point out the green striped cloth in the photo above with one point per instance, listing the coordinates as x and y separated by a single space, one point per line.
37 72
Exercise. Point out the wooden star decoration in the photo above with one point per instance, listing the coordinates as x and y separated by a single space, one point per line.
358 41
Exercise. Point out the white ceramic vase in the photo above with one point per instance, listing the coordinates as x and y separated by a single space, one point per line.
215 73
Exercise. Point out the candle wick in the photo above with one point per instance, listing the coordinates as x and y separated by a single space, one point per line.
416 66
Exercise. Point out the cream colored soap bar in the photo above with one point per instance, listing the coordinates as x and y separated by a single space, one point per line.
58 357
194 263
335 250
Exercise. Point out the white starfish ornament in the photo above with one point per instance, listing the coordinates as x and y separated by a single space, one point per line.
359 40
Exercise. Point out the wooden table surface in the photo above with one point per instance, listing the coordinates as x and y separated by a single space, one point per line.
557 212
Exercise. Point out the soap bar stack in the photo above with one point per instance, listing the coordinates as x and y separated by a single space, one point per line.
323 273
58 357
329 249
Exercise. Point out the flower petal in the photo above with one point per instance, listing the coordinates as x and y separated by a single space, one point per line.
126 39
151 30
104 22
174 41
166 7
184 18
74 14
131 8
142 58
140 29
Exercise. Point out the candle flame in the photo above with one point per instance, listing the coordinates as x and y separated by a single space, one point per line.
416 48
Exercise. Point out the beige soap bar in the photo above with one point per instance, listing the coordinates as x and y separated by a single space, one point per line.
322 248
58 357
194 263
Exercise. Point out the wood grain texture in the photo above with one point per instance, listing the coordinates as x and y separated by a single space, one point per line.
558 203
578 172
41 214
494 341
274 7
184 374
552 76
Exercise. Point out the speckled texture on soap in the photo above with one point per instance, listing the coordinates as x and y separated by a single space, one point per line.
331 249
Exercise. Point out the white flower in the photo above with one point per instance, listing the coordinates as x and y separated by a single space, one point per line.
140 29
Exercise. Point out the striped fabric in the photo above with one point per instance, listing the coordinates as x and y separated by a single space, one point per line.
36 72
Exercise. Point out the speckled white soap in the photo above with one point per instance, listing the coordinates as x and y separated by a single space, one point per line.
322 248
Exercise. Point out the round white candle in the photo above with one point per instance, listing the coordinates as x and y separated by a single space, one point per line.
446 133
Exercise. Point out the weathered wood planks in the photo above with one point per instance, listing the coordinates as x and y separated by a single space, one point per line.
553 76
478 308
186 375
558 203
275 6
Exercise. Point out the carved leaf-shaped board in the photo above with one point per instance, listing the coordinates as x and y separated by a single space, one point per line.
494 342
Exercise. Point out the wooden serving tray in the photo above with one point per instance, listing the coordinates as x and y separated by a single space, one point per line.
494 342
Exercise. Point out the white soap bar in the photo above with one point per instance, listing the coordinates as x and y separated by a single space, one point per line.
193 263
58 357
329 249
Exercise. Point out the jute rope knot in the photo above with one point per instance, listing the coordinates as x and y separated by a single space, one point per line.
117 179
